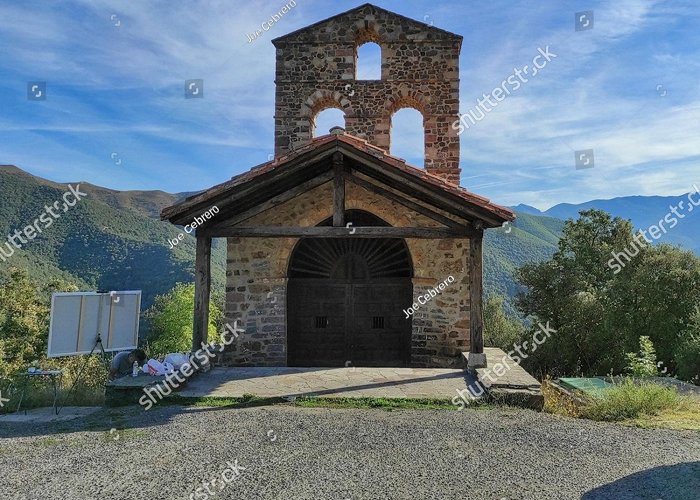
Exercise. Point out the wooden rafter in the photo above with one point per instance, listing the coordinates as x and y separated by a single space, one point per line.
365 163
421 209
273 202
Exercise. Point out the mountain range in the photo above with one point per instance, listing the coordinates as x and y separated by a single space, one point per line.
115 240
643 211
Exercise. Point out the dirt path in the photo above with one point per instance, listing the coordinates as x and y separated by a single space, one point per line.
286 452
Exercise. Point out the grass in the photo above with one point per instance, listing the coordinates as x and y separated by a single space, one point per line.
383 403
639 404
679 419
629 400
559 403
247 400
47 441
38 391
250 400
37 396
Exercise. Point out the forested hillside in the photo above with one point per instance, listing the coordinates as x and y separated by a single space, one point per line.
109 240
529 239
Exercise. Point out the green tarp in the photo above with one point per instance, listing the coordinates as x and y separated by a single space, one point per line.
590 386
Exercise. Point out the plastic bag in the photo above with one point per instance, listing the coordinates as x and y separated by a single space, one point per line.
177 359
156 368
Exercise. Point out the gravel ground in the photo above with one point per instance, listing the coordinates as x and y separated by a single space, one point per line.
286 452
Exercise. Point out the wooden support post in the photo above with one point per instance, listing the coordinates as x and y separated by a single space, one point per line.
338 191
202 288
477 358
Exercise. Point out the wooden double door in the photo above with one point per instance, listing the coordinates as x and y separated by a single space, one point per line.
349 323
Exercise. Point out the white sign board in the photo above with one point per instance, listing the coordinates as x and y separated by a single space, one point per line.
78 317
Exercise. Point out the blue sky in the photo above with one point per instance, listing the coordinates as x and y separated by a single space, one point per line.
115 113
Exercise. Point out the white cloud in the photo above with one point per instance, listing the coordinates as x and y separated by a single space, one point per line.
123 85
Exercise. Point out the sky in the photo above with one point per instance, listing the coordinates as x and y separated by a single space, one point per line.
626 86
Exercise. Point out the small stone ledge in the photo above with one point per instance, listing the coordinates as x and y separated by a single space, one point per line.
520 397
514 386
128 390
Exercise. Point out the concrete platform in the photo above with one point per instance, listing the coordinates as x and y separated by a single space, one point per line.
351 382
515 387
43 415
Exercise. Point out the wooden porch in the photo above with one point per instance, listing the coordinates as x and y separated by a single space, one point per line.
341 160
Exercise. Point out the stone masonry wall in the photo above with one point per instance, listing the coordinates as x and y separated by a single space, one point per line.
257 281
316 70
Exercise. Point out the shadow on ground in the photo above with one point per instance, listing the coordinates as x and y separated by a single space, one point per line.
125 417
677 482
134 417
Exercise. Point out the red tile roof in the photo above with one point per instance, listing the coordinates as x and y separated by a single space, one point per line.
358 144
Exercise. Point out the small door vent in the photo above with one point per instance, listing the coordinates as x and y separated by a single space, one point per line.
321 321
378 322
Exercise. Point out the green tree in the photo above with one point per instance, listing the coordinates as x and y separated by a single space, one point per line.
171 317
655 295
500 330
24 319
23 322
599 315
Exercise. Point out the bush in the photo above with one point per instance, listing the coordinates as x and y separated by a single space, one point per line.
687 352
499 330
643 364
631 400
171 318
24 323
688 359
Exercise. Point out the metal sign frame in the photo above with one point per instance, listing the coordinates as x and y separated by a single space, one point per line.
108 302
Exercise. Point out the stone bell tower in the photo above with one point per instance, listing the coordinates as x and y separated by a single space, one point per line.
316 70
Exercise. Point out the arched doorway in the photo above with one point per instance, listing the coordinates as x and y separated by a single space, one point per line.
346 298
